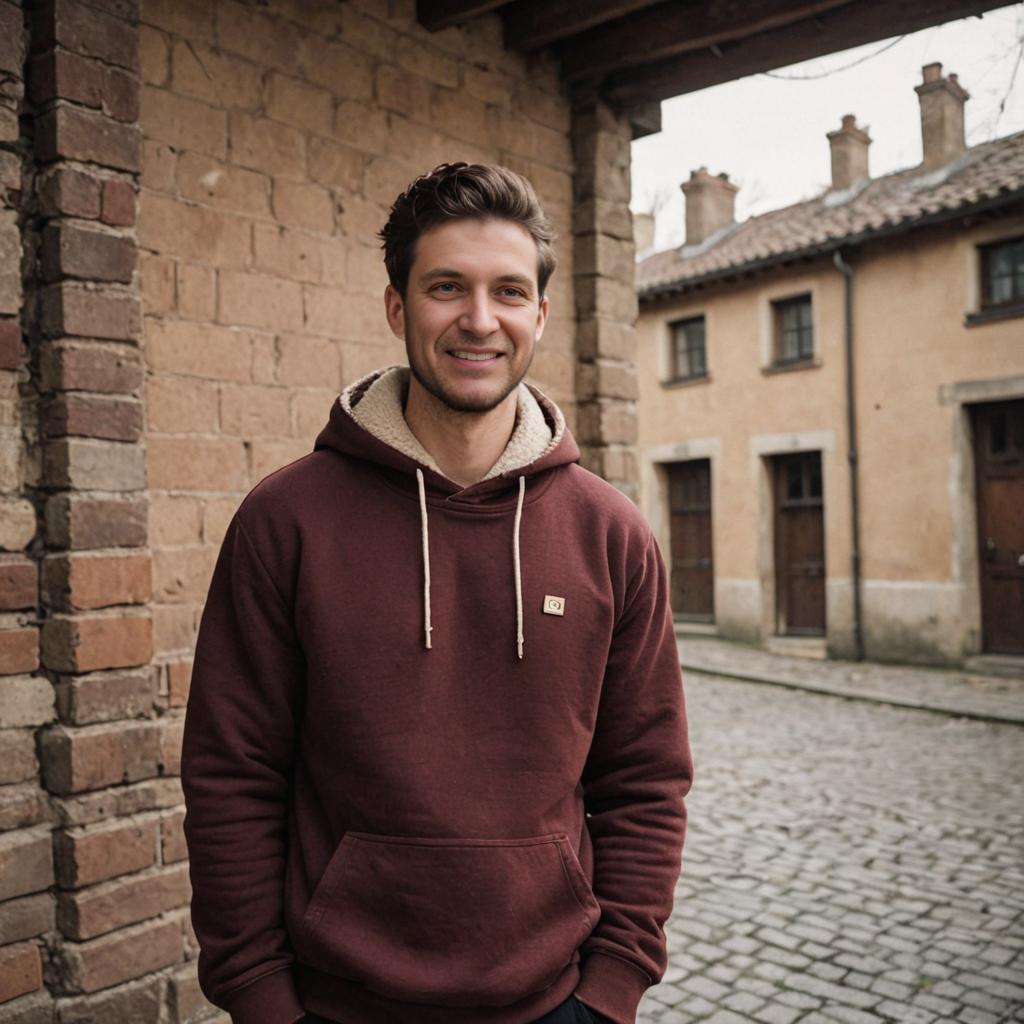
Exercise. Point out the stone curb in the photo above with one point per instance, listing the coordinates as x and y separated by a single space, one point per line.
935 707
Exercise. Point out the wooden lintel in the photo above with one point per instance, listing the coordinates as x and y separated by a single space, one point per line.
645 120
853 25
533 24
670 29
435 15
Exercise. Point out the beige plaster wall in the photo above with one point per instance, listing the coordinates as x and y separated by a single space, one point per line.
913 352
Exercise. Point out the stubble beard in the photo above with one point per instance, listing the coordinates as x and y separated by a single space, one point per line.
455 404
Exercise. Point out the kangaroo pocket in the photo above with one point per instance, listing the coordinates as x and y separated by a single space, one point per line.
452 922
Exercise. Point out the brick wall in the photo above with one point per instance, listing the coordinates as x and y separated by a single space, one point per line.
276 137
188 275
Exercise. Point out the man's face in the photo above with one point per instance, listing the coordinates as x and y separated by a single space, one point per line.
471 315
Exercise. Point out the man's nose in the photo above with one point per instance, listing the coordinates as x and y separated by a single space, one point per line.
478 317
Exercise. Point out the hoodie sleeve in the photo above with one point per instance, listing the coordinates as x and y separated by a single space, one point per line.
237 751
636 777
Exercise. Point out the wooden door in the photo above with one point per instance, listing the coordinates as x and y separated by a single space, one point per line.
999 470
799 545
690 517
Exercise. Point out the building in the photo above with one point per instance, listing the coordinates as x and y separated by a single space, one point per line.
831 414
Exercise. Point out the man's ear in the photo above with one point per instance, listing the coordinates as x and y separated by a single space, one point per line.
542 318
394 310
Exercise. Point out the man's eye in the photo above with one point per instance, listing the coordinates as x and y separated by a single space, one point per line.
445 287
513 293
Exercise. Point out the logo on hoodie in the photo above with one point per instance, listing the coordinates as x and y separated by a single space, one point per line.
554 605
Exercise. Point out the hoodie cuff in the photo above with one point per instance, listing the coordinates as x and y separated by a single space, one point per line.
612 986
271 999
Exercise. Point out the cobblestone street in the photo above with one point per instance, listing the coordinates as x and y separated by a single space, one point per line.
846 862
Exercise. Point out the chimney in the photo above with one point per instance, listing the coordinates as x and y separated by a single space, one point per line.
643 233
710 201
849 145
942 117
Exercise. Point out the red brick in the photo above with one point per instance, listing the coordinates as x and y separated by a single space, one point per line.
72 308
116 419
100 909
72 582
94 756
22 806
73 193
118 204
106 696
178 681
26 918
141 1002
17 757
86 31
172 731
59 74
12 39
90 642
88 366
172 838
26 862
19 583
19 650
11 351
21 970
84 855
122 955
84 464
72 251
78 522
77 134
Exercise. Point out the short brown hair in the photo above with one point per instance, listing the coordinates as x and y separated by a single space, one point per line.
463 191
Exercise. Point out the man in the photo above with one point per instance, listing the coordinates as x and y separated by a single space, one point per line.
435 750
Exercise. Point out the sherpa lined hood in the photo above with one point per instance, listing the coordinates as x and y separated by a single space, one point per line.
368 422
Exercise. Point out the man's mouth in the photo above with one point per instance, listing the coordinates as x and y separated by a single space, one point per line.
473 356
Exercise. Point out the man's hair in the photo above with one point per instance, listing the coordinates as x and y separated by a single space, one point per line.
462 191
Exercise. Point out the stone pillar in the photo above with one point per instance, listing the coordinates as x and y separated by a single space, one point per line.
606 303
849 150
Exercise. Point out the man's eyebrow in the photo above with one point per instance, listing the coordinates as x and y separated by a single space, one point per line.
446 272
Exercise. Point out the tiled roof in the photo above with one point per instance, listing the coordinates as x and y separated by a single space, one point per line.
988 174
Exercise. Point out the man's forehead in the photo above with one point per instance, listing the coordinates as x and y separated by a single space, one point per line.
465 245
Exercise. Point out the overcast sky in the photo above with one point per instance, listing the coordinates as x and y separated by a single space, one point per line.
768 134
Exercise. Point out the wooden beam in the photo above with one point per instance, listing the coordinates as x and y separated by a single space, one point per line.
645 120
670 29
435 15
853 25
533 24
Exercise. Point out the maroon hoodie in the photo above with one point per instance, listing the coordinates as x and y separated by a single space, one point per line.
466 833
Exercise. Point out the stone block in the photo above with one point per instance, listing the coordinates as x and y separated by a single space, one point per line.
74 133
21 970
68 192
184 123
87 31
194 463
25 918
25 700
88 366
19 583
12 353
73 308
82 522
26 862
106 696
73 251
19 650
118 203
104 417
73 582
89 465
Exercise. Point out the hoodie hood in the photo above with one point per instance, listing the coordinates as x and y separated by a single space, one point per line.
367 422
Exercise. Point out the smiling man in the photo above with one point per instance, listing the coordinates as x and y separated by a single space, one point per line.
435 752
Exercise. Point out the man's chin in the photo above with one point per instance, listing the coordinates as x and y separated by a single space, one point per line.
468 401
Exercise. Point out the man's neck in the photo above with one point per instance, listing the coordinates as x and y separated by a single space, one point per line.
464 445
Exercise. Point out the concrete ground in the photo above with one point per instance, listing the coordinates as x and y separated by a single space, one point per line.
848 860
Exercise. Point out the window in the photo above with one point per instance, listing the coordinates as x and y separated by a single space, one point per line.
1002 273
687 357
794 330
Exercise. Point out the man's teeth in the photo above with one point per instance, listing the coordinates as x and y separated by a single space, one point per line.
474 355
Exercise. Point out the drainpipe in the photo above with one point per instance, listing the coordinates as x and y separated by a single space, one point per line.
846 270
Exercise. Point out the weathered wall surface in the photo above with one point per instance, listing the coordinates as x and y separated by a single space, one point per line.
920 581
188 275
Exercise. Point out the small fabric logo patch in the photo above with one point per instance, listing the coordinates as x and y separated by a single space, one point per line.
554 605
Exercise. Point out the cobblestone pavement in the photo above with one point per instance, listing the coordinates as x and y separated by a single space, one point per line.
846 861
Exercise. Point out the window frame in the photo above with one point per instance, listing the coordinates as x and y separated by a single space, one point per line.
985 253
674 326
779 306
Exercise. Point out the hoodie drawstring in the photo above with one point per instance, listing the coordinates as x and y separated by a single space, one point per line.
518 572
517 568
427 627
